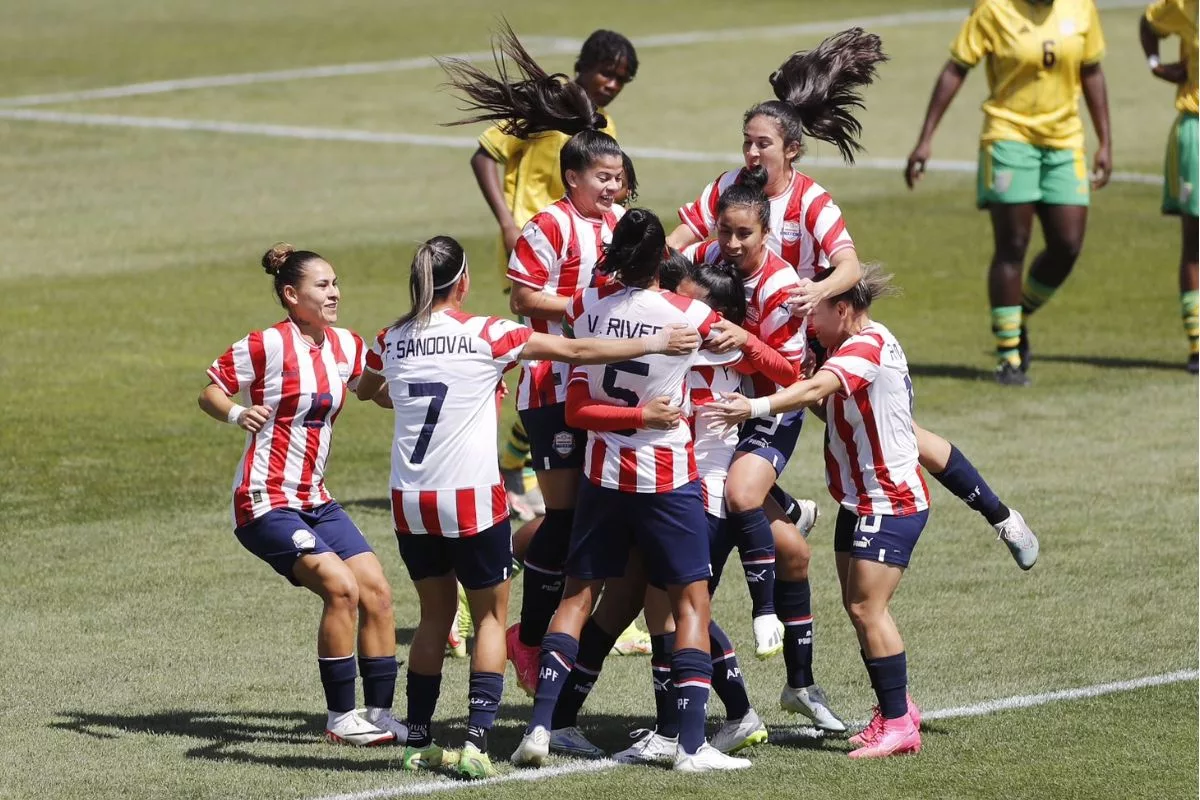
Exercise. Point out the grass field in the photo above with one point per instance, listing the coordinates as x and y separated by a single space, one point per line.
147 655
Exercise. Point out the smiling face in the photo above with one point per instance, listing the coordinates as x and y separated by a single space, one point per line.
763 143
314 299
741 237
593 190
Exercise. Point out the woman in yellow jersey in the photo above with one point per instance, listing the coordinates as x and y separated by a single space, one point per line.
1040 55
1178 18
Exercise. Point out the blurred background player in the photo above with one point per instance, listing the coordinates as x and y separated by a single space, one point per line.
296 375
1039 55
531 181
442 367
1181 181
873 473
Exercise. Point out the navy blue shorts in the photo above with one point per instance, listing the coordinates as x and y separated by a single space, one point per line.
282 535
720 545
478 561
773 438
671 530
876 537
553 444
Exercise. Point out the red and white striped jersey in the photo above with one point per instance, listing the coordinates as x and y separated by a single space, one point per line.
870 447
714 445
767 315
305 385
645 461
443 380
556 254
806 225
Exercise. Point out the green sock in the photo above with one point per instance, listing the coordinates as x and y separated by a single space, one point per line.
1190 310
1034 295
1006 327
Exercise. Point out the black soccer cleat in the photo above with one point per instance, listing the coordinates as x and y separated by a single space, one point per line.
1009 375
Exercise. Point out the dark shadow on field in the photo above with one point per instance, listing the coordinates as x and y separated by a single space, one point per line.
960 372
1111 362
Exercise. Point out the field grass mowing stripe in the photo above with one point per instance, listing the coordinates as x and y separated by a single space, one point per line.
455 142
538 46
976 710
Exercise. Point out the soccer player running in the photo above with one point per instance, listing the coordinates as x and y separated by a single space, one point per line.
442 368
816 92
520 176
554 258
295 376
1181 168
1039 54
873 473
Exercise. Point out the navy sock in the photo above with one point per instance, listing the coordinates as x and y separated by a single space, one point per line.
594 644
544 560
483 700
751 531
965 482
794 601
422 692
727 680
666 715
889 678
785 501
337 678
379 680
559 651
691 670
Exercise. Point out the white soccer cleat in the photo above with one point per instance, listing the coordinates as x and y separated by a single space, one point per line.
650 748
741 733
810 701
572 742
534 748
382 718
708 759
1020 538
805 516
768 636
351 729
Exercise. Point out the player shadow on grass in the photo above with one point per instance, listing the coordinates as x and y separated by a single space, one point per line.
1111 362
961 372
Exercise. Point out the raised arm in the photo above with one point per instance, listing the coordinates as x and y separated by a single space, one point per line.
1095 93
949 81
673 340
682 237
536 304
487 175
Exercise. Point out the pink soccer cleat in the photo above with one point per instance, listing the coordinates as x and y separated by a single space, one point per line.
875 726
896 737
524 660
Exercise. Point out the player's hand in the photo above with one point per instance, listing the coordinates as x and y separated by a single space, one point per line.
804 297
660 415
1102 167
511 234
730 409
676 339
254 418
730 337
1175 72
915 168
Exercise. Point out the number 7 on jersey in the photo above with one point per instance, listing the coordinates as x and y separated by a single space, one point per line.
436 392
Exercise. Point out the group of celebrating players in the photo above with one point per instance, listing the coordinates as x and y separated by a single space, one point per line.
665 380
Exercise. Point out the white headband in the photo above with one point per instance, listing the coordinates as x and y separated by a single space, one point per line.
457 275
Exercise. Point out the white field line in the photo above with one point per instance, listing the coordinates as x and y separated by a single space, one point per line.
580 767
538 46
454 142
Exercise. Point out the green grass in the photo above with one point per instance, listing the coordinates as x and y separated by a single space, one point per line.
147 655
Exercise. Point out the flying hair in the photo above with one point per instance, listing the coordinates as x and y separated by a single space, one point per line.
873 284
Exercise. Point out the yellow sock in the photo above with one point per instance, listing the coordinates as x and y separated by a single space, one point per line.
514 453
1006 327
1190 310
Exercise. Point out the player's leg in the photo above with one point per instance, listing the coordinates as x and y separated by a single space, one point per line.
524 502
1181 197
1189 290
950 467
743 727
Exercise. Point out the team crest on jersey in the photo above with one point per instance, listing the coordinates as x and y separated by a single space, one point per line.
343 370
564 443
790 231
304 540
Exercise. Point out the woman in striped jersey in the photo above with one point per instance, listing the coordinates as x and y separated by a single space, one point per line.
295 375
442 367
816 92
554 258
873 474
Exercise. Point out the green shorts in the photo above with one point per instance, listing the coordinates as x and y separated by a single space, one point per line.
1180 169
1016 172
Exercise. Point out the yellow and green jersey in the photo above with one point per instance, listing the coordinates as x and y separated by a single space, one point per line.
1034 52
1178 18
532 178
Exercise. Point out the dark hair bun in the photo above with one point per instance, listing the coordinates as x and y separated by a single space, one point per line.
274 259
754 178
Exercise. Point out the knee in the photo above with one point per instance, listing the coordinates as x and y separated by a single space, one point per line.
341 594
861 614
740 497
791 565
1065 250
375 598
1012 246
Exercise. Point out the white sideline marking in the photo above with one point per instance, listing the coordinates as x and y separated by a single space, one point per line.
958 712
537 45
456 142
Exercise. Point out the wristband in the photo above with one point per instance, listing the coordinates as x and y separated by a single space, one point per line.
235 414
655 343
760 407
1153 61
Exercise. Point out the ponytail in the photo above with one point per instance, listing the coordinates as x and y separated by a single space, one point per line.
437 267
636 250
749 192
